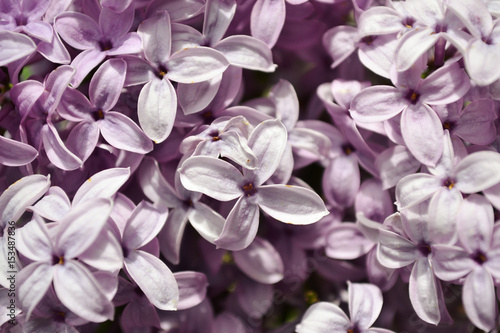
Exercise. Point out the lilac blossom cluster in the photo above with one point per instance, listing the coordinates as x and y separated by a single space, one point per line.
327 154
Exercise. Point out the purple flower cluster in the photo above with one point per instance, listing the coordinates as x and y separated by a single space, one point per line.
316 180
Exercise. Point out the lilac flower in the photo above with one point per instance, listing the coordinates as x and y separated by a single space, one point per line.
365 304
413 245
37 103
95 116
151 275
224 182
420 125
184 204
54 254
445 185
15 153
157 103
109 37
476 259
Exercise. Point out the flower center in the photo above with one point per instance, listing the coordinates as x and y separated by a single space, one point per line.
348 149
59 316
98 115
408 22
448 125
249 189
425 249
105 45
479 257
412 96
215 136
449 183
162 71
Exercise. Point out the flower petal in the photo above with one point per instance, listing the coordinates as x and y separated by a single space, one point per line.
240 227
323 317
365 303
423 292
155 33
196 64
33 281
192 288
156 108
122 133
103 184
79 291
14 46
478 297
260 261
247 52
216 178
206 221
478 171
291 204
78 30
267 20
154 278
107 83
143 225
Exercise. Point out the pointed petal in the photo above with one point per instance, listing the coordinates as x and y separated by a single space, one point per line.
84 62
478 298
78 30
105 254
194 97
423 133
340 42
79 291
234 148
143 225
139 71
261 262
107 83
15 153
54 205
423 292
122 133
218 16
443 208
341 180
415 188
287 103
267 20
346 242
33 281
291 204
34 242
155 33
412 45
154 278
103 184
171 235
365 303
192 288
206 221
156 107
394 164
395 251
196 64
213 177
83 139
247 52
240 227
14 46
478 171
70 240
444 86
377 104
23 193
323 317
268 142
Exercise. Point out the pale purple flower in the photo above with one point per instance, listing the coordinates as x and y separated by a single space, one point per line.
476 258
95 115
224 182
14 46
420 126
54 253
108 37
157 104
